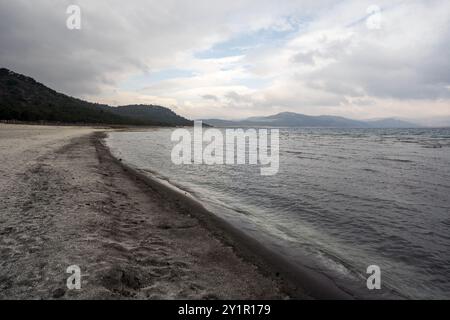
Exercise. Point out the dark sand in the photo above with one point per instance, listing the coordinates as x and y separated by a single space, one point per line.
64 200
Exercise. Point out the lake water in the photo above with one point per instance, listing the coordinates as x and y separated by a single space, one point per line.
343 198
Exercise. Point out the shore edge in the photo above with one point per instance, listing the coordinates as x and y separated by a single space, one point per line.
297 281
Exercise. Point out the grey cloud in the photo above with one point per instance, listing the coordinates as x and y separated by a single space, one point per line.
304 57
331 49
384 76
235 97
406 60
210 97
118 38
36 42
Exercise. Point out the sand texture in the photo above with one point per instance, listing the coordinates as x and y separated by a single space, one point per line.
64 201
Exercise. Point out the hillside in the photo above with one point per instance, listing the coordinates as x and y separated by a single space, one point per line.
24 99
391 123
291 119
151 113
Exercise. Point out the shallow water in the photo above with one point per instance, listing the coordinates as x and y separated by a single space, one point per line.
346 198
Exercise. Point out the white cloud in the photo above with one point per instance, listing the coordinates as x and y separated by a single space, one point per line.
320 56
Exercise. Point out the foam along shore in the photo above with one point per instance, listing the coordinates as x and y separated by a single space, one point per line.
66 201
295 280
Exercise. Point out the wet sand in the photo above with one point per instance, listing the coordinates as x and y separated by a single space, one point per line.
64 200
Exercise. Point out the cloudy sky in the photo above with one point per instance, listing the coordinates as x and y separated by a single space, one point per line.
233 59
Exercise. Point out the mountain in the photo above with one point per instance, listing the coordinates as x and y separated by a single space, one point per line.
151 113
436 122
291 119
24 99
390 123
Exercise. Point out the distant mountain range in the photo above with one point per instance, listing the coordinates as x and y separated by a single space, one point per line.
24 99
291 119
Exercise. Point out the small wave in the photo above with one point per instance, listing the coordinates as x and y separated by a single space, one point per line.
432 146
370 170
395 160
335 264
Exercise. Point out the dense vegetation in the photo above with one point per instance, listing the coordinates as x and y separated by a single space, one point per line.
150 112
24 99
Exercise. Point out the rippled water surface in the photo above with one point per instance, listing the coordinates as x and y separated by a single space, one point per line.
346 198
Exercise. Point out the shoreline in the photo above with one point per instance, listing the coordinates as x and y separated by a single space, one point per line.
297 281
185 205
67 201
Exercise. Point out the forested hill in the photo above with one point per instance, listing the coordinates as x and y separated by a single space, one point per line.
151 112
24 99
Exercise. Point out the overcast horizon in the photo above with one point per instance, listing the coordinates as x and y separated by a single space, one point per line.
216 59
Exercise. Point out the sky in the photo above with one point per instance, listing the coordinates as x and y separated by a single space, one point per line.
235 59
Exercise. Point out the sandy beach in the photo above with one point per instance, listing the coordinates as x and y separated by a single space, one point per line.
65 201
